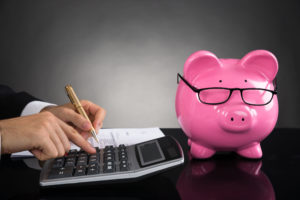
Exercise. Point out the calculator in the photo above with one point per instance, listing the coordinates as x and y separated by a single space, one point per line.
111 163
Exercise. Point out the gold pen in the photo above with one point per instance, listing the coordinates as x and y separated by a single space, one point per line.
76 103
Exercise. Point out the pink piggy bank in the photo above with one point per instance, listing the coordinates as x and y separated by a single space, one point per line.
227 104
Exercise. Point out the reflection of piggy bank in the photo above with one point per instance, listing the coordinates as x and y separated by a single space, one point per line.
227 104
224 179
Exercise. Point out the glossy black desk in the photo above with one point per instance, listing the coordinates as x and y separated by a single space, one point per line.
225 176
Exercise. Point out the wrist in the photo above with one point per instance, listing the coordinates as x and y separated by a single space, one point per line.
47 108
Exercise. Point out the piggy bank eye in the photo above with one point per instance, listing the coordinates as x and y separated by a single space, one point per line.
245 80
220 81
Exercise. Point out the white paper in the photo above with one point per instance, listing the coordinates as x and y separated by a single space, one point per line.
115 137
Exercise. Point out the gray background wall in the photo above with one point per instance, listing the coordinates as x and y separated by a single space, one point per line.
124 54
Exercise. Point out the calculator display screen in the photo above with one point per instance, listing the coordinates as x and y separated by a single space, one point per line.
150 153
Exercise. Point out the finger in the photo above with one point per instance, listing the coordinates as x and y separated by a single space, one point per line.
95 110
101 125
59 146
69 115
98 121
45 151
63 138
86 135
77 139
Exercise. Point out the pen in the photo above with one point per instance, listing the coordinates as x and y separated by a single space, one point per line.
76 103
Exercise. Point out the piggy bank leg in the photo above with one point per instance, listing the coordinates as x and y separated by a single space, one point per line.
199 151
254 151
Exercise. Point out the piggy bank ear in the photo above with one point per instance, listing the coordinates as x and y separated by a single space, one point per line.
200 62
261 61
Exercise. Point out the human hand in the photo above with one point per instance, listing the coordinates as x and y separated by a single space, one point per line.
68 114
45 135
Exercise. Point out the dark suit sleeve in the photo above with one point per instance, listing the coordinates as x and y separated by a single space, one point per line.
12 103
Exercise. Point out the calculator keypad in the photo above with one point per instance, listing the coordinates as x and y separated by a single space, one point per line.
80 163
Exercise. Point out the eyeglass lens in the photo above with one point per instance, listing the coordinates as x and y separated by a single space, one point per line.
256 96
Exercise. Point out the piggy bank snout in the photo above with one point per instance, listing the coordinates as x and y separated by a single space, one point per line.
236 119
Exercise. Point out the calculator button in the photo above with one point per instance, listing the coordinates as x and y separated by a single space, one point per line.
60 159
67 172
109 163
82 158
124 167
109 151
123 162
108 168
93 170
81 167
93 161
111 154
80 172
69 164
81 162
122 152
82 153
58 162
70 159
108 158
94 165
57 165
93 156
61 172
123 157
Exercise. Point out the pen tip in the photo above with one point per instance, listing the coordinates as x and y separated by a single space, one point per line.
95 136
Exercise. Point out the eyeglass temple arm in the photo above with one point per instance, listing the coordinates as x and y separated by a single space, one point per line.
185 81
178 76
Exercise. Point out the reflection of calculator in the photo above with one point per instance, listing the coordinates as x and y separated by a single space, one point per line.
113 163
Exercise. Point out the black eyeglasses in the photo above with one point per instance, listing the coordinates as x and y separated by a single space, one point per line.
219 95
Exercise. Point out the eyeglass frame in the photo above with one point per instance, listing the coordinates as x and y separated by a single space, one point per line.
198 90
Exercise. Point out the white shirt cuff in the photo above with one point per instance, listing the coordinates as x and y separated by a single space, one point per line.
35 107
